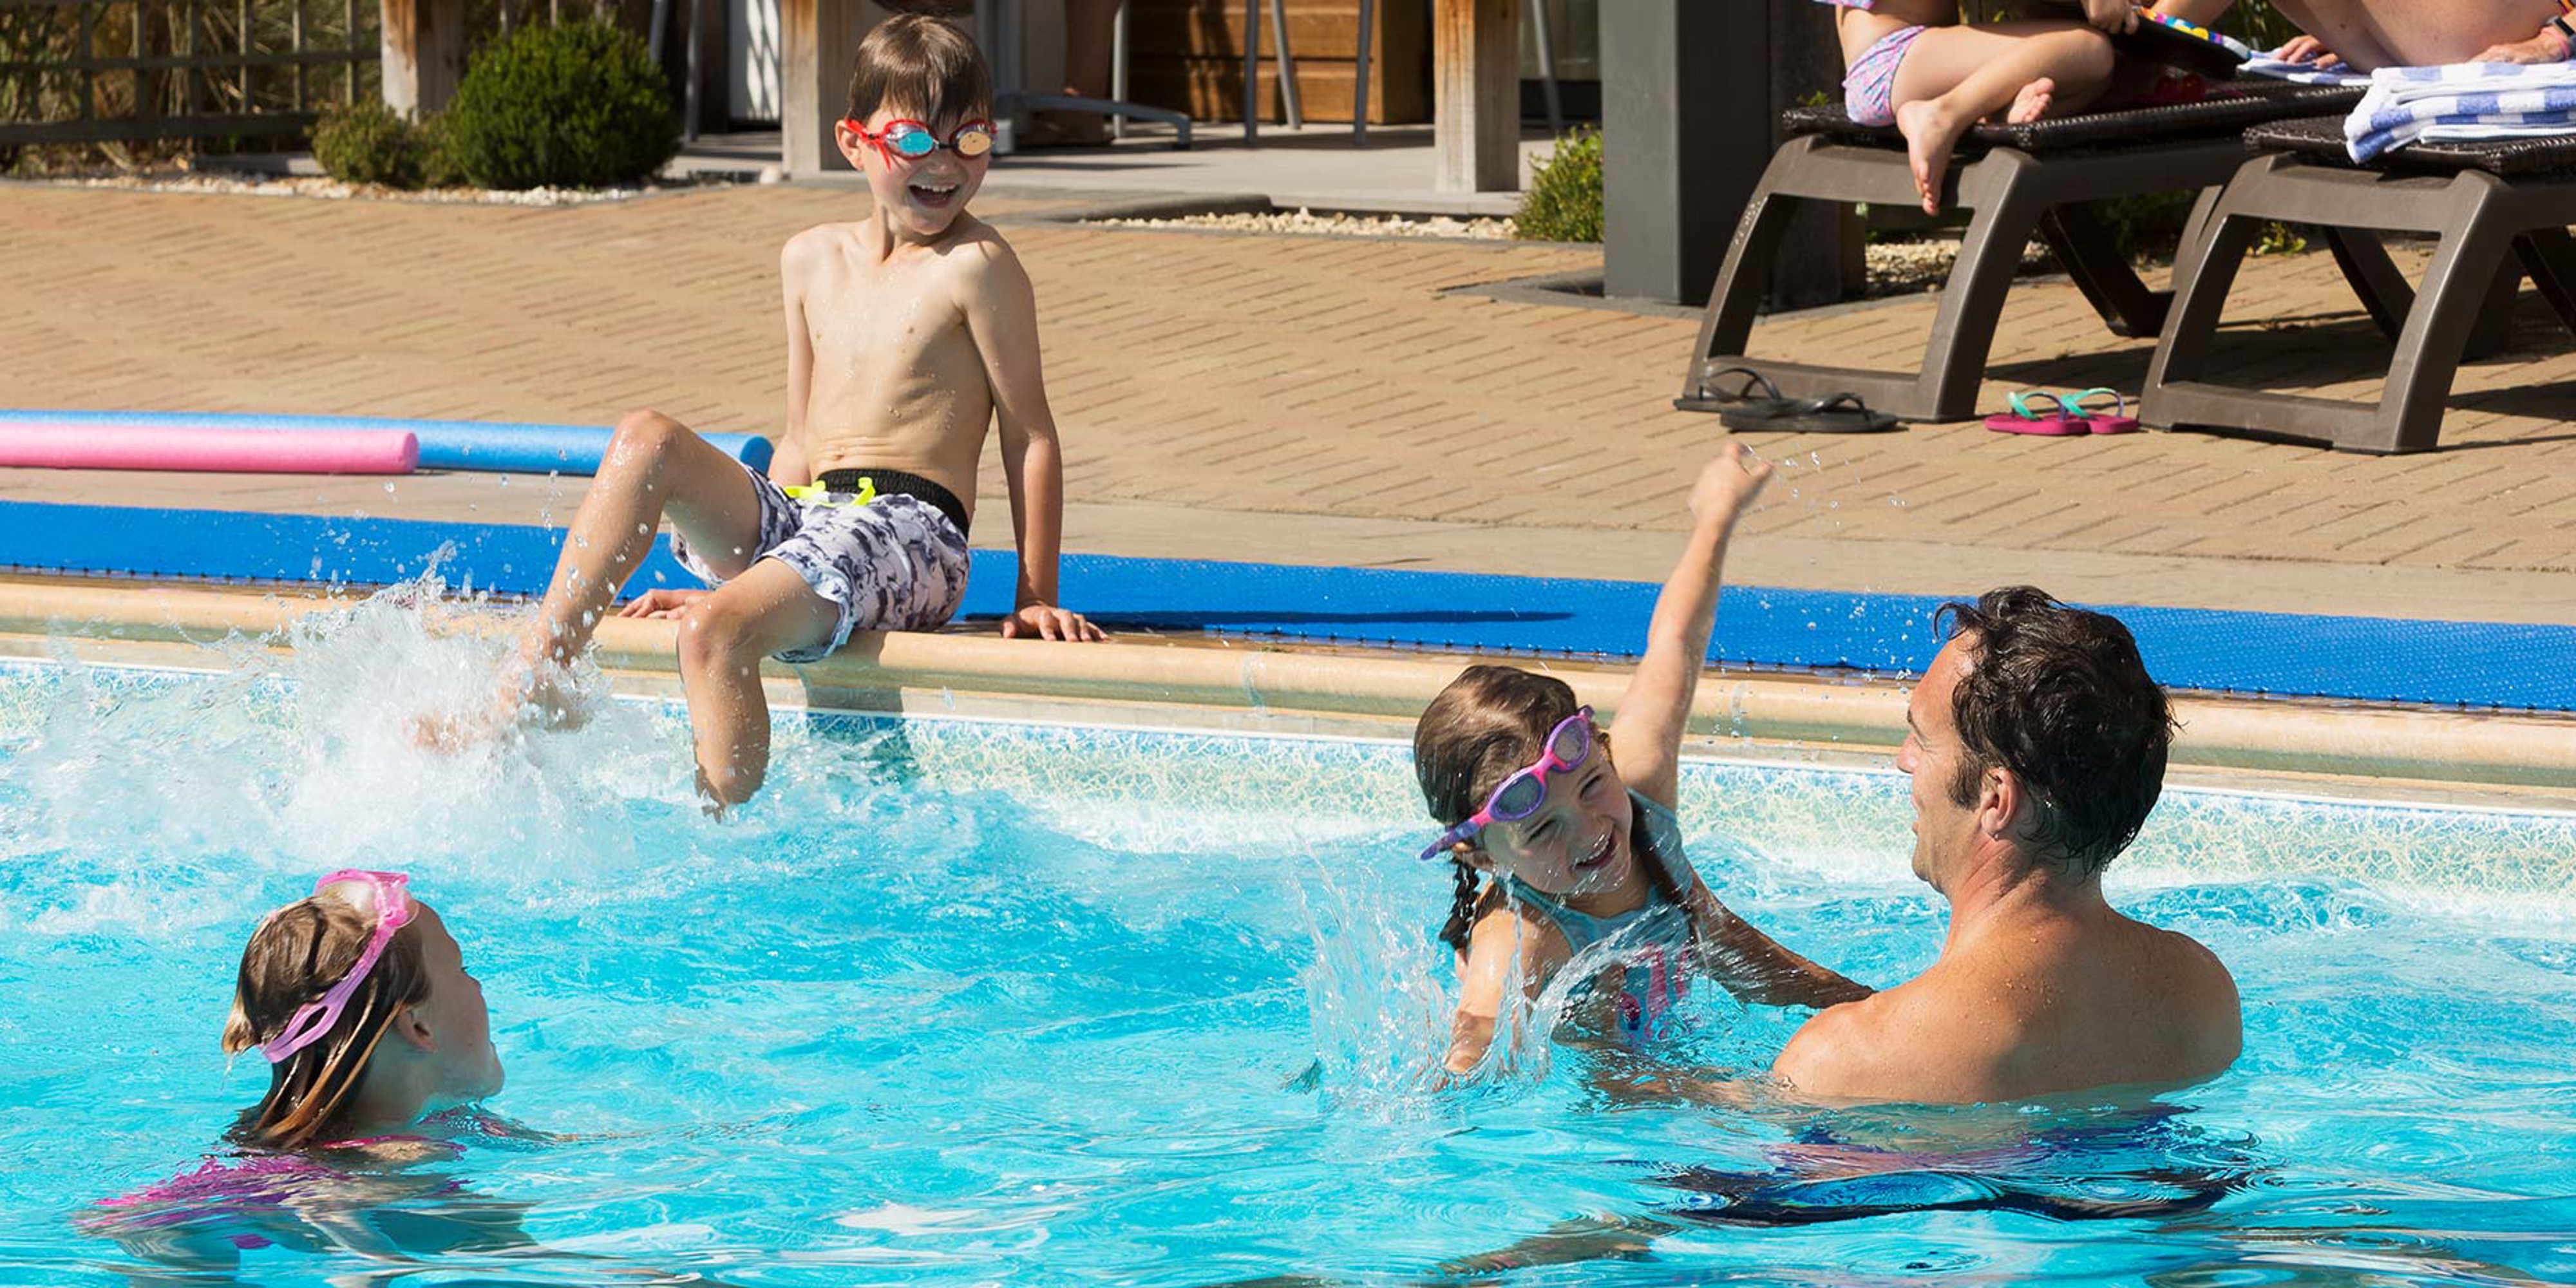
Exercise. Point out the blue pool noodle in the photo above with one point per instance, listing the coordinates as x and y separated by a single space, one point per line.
500 446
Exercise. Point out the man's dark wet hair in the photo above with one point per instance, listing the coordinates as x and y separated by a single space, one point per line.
2060 697
921 66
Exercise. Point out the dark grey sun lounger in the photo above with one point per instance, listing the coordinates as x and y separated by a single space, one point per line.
2017 179
2482 200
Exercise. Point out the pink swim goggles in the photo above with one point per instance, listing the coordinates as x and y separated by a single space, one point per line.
1518 796
392 894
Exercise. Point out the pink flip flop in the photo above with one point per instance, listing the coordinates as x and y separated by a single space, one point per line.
2115 421
2056 420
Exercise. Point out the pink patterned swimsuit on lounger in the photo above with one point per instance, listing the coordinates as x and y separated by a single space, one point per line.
1869 87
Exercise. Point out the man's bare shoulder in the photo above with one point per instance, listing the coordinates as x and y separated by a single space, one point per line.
2200 994
1860 1050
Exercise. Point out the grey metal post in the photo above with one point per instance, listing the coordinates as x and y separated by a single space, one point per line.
1691 98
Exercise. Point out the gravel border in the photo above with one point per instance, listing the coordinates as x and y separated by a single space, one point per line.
326 189
1330 224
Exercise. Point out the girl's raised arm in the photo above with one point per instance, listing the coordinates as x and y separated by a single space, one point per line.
1646 735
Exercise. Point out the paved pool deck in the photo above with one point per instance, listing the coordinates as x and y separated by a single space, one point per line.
1297 399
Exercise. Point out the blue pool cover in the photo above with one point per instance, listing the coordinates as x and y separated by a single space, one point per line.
2474 664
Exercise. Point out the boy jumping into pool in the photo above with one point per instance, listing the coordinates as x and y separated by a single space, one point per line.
907 333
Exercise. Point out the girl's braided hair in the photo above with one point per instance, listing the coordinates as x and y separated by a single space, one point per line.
1490 721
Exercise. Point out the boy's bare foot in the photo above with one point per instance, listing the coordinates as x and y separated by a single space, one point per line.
2032 103
1931 133
534 699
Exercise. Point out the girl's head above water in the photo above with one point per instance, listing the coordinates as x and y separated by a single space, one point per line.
359 998
1567 833
1489 722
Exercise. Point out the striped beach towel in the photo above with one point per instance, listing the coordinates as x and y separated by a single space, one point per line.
2466 101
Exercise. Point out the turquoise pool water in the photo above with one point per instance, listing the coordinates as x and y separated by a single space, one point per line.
966 1003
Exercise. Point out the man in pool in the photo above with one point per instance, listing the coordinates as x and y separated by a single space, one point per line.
2036 744
2371 34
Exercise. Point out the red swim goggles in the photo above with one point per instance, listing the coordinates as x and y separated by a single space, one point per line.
1518 796
912 140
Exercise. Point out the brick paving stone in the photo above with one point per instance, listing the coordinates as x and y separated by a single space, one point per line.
1233 373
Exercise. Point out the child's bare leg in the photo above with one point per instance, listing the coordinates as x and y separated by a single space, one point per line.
654 466
1954 77
767 610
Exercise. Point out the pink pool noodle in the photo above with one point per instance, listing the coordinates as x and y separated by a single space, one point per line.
240 451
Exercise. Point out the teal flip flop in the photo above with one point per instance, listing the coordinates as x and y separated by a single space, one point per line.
2056 421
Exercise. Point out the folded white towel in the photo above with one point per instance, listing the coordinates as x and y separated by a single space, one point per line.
2462 101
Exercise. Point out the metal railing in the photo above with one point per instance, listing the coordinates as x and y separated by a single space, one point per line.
110 71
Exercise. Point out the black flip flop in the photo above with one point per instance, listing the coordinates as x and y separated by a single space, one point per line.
1842 413
1770 402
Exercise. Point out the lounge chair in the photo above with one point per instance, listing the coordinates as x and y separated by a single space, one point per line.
2018 179
2480 199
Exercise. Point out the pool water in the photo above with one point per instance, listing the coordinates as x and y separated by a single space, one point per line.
969 1003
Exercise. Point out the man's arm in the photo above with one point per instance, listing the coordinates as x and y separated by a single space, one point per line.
1646 735
2551 44
1002 313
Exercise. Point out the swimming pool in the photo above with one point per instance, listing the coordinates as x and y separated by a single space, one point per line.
965 1003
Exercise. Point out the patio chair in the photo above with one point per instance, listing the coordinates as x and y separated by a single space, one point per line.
2480 200
2017 179
997 28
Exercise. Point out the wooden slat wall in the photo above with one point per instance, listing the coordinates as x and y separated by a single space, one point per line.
1188 54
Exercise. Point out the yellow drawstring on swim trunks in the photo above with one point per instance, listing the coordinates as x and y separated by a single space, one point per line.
817 494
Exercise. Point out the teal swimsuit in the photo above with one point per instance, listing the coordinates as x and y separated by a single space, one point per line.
1655 952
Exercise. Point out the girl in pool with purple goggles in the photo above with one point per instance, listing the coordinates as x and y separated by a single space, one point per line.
1580 842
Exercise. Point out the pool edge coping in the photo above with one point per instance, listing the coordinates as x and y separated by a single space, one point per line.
1279 687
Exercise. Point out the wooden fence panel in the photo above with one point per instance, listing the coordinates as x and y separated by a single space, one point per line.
184 69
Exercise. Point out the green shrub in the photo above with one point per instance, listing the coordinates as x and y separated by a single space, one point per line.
368 142
437 158
580 105
1564 198
2150 227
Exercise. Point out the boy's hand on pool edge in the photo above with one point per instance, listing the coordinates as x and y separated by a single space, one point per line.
1727 485
661 603
1046 621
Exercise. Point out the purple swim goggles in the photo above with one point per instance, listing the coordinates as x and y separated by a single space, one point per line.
1519 795
393 909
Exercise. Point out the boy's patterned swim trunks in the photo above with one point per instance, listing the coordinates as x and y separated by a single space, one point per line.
894 564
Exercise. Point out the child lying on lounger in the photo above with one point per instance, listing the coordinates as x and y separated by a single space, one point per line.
1914 65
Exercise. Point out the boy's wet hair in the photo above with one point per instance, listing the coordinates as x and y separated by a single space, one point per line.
1490 721
923 67
296 955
